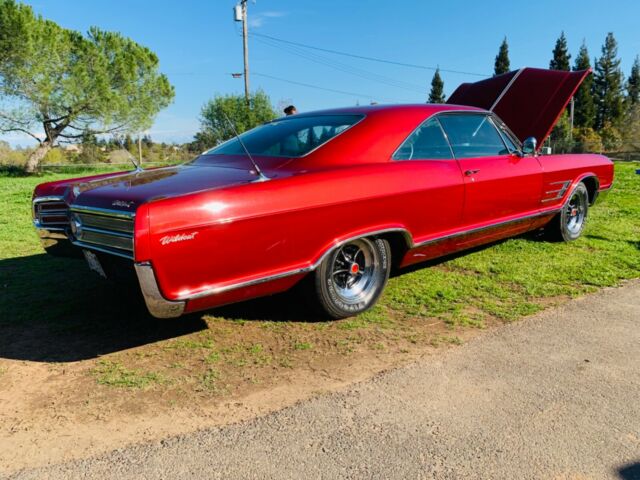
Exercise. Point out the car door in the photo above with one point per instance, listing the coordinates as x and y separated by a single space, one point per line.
500 183
435 180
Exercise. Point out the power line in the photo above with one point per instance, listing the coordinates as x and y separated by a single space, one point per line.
343 92
363 57
343 67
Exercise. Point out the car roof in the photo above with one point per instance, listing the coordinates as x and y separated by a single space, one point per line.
372 140
391 109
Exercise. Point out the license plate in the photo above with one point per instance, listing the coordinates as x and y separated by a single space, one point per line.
94 263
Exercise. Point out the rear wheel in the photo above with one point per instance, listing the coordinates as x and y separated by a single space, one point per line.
569 224
351 278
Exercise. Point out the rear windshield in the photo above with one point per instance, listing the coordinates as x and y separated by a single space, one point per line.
288 137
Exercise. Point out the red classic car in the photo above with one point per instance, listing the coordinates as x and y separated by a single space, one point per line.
339 195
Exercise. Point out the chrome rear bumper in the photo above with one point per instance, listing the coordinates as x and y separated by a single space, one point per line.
157 305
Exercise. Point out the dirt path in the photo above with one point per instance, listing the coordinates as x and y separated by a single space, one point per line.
553 396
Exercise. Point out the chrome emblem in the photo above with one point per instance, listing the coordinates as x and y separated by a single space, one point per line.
121 203
181 237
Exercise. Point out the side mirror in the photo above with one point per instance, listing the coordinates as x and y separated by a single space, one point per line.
529 146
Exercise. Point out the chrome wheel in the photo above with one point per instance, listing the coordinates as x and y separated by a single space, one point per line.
569 224
351 278
353 271
576 211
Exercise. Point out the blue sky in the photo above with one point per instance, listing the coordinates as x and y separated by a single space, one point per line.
199 45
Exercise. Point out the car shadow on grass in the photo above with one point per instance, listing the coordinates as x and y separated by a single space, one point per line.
56 310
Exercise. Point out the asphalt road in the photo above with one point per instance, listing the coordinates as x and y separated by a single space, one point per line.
556 396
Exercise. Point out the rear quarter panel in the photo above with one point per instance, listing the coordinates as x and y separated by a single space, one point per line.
213 239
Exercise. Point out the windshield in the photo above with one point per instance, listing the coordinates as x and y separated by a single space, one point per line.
288 137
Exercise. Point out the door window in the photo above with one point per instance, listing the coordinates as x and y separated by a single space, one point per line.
472 136
427 142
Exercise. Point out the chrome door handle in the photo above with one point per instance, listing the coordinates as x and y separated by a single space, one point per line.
468 173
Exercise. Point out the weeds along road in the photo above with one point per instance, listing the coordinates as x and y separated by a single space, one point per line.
554 396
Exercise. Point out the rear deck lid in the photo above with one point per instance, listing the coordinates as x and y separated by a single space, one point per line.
530 100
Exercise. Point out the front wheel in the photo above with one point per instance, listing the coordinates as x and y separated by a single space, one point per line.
351 278
569 224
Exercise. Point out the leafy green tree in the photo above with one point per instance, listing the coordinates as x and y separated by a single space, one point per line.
58 84
502 63
587 140
436 95
561 56
631 128
560 138
584 113
633 84
607 85
222 109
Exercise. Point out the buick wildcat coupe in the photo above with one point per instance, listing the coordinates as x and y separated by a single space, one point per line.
336 197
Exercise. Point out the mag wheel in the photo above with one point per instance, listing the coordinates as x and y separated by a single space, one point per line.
570 222
351 278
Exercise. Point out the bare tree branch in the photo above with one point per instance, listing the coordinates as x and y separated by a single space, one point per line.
22 130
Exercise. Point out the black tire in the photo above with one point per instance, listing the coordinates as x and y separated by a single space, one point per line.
569 224
352 277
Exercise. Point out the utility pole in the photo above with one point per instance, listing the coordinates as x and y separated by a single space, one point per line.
245 47
571 112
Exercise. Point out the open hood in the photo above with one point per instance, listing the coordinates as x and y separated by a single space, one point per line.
530 100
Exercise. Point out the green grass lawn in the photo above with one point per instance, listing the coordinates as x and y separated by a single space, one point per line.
56 310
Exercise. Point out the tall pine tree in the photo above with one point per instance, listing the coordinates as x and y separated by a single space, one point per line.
561 56
436 95
633 84
560 138
502 63
607 85
584 113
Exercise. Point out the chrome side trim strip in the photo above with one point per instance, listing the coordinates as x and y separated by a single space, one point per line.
157 305
214 290
559 192
102 211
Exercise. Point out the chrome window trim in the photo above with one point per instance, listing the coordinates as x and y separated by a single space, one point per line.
497 129
504 129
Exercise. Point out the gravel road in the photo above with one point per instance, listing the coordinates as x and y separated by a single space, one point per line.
556 396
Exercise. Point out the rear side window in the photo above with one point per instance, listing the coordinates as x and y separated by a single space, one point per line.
292 136
427 142
472 136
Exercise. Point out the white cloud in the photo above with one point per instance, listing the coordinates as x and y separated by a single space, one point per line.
259 19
